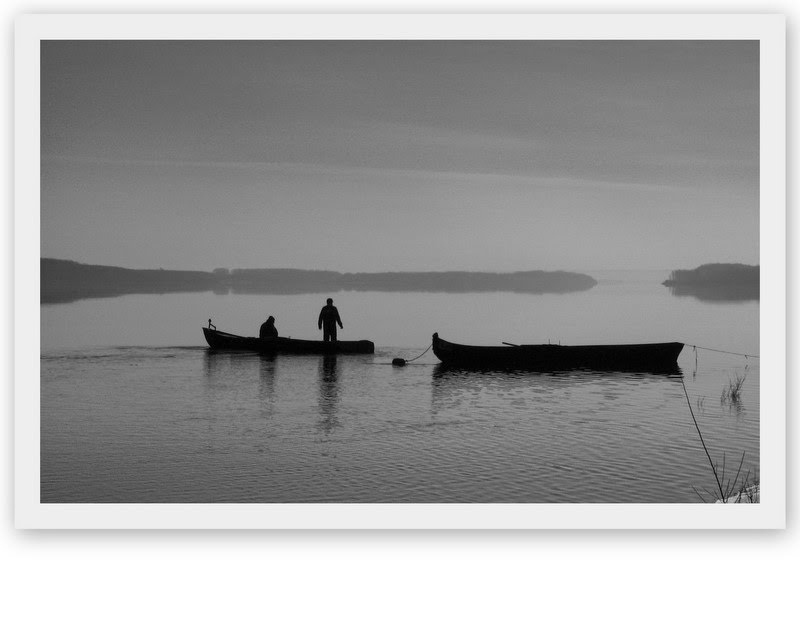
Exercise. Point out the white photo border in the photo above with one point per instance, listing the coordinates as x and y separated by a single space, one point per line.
769 30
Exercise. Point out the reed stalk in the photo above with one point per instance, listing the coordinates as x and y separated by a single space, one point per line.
732 394
702 441
729 490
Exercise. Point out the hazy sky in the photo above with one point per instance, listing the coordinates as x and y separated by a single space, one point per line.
426 155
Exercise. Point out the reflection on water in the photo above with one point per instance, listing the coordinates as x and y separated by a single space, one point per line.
225 372
718 293
149 422
266 388
328 395
190 425
219 365
451 387
613 312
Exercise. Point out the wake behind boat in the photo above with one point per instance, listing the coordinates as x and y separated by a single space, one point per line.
551 357
219 340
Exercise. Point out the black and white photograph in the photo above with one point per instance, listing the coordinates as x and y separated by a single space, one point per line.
377 273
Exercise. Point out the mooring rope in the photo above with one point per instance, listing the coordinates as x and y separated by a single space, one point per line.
399 361
420 355
727 352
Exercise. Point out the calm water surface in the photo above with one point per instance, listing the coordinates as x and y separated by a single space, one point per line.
134 408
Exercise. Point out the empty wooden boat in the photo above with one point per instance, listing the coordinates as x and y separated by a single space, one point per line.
547 357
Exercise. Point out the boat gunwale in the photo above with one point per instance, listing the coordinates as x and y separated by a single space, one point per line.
232 342
642 356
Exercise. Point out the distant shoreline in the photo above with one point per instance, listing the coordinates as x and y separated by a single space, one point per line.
64 281
717 282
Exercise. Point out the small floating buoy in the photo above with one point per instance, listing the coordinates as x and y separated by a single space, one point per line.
397 361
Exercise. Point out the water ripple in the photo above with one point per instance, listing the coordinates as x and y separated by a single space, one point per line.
185 426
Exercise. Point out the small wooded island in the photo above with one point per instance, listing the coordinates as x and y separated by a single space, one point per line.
717 282
63 281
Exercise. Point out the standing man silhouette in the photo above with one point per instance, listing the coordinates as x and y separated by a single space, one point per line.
328 319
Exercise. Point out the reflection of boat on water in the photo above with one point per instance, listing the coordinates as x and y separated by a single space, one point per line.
552 357
219 340
452 384
444 374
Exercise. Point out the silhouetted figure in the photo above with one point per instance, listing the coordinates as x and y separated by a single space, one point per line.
328 319
268 329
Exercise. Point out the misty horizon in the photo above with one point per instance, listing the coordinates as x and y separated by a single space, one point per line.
334 269
359 156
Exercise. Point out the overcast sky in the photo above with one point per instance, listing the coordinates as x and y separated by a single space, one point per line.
365 156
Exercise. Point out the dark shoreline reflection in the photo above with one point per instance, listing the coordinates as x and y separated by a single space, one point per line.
718 293
65 281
